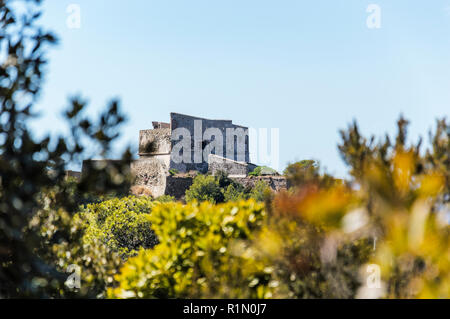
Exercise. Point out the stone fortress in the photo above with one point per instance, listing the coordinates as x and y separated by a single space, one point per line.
171 154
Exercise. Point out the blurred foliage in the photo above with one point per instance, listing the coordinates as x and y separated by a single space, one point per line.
237 250
304 172
194 257
120 223
405 195
165 199
32 170
61 244
438 157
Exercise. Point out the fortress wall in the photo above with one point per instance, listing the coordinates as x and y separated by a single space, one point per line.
151 173
155 142
156 151
217 164
276 183
199 141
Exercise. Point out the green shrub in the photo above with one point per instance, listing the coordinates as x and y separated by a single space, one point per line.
98 262
235 250
305 172
234 193
173 171
205 188
260 191
122 224
61 244
256 172
263 170
199 254
221 188
165 199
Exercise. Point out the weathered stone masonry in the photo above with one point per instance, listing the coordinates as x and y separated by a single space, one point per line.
204 134
222 145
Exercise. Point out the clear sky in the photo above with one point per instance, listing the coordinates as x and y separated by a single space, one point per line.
306 67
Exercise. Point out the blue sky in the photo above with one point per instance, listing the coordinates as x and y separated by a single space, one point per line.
306 67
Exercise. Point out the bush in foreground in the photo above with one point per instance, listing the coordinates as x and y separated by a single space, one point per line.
120 223
194 257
